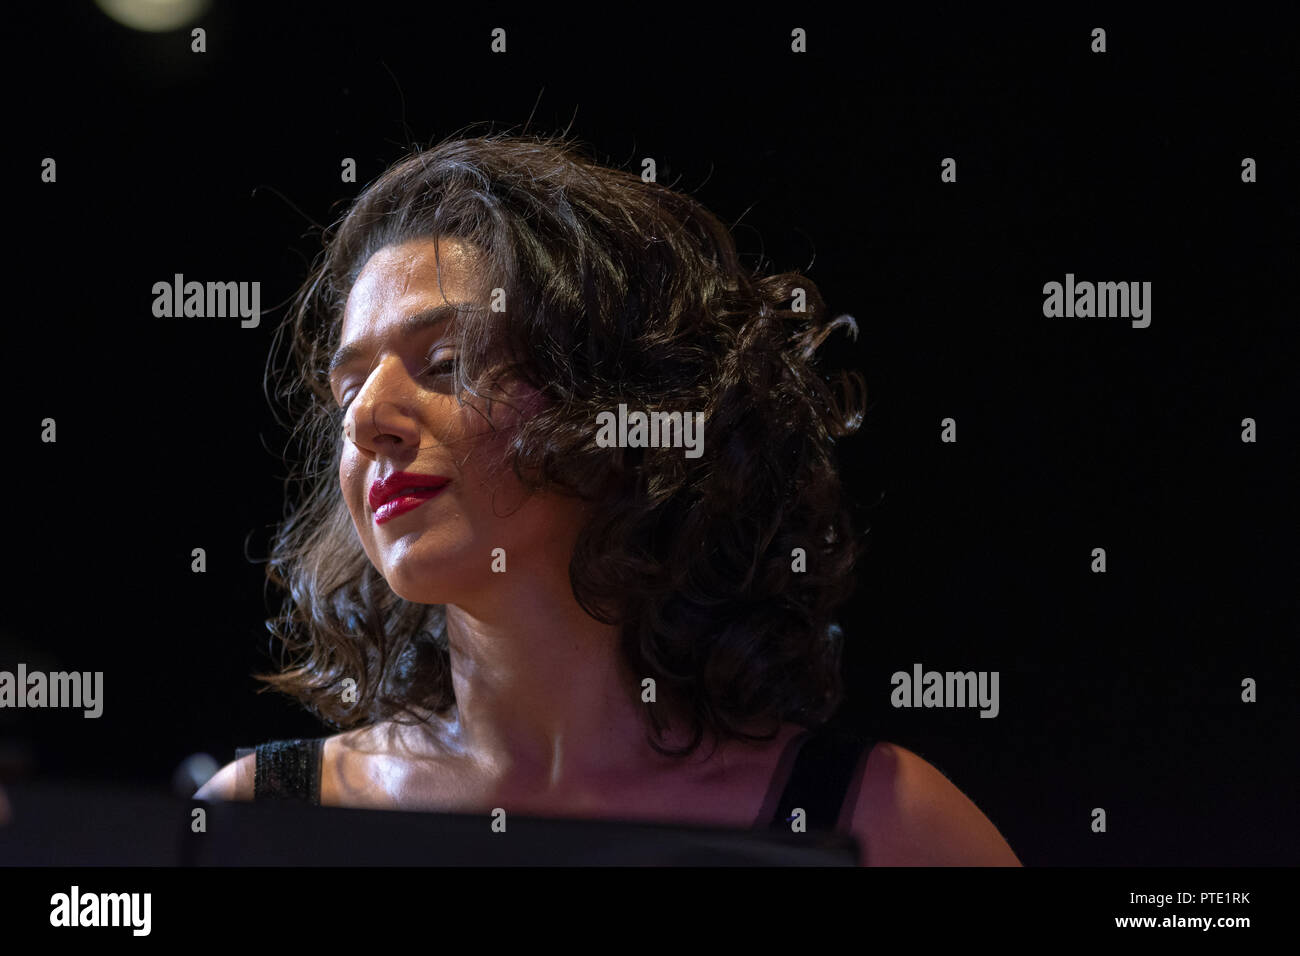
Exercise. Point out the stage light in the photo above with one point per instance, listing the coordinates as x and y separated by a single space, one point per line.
154 16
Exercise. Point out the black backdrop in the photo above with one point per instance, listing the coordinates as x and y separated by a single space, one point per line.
1119 690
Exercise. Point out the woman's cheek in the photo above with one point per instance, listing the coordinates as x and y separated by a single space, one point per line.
351 477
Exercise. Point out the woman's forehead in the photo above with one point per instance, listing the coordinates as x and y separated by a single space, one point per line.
419 262
409 276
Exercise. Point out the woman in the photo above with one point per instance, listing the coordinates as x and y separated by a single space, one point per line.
500 606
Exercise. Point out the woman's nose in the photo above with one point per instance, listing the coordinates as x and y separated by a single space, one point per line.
379 424
381 414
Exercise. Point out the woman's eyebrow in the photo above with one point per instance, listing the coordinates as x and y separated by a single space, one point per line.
407 327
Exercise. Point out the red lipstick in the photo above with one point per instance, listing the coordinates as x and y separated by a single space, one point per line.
401 491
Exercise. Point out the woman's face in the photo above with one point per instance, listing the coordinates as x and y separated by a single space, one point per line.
402 416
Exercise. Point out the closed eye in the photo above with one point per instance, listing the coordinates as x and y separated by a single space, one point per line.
436 370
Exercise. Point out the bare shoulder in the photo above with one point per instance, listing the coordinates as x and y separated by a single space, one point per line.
362 767
343 758
234 781
909 814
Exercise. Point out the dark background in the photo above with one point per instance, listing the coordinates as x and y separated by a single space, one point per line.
1118 690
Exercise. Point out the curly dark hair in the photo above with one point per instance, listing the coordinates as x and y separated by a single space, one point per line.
619 291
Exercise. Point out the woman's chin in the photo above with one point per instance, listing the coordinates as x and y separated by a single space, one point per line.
417 592
415 583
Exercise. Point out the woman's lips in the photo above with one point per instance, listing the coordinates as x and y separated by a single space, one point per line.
404 502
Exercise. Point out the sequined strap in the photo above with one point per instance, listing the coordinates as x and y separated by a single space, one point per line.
288 770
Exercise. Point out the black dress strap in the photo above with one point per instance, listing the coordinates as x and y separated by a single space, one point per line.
824 782
288 770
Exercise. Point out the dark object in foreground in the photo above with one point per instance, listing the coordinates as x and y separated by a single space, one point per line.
65 825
